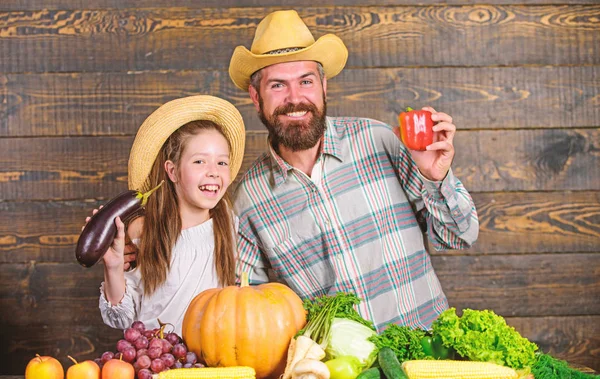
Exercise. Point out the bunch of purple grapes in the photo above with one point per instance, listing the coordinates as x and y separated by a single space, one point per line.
149 353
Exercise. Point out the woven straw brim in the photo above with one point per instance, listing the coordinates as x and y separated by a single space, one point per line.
329 50
157 128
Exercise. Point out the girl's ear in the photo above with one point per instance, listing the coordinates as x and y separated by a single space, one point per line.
171 170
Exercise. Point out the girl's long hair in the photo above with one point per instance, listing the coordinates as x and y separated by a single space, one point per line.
162 221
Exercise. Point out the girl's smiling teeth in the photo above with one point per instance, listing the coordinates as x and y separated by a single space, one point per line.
210 187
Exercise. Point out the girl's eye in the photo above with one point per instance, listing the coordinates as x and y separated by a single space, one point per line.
224 163
199 161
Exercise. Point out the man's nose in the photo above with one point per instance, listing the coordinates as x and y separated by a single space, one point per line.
294 94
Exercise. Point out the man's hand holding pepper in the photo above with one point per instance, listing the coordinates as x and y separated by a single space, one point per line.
434 163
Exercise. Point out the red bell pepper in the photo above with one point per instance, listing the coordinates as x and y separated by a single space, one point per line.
416 129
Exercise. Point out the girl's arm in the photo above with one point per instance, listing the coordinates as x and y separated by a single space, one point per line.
114 277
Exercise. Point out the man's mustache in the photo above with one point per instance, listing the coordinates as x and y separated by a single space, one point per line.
289 108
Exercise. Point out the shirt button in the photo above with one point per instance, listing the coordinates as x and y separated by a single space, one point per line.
456 212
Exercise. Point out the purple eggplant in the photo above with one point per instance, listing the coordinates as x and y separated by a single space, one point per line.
100 231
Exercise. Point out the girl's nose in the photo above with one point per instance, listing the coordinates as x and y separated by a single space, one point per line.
212 170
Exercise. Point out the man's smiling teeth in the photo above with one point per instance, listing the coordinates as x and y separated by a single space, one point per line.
209 187
296 114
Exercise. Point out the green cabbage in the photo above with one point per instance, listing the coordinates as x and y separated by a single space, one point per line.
350 338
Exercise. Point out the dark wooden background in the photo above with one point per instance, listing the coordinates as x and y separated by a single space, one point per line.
520 77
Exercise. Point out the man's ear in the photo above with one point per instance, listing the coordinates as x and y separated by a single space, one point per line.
171 170
254 96
324 87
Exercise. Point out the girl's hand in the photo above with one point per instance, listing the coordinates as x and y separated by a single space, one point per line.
134 231
130 257
114 257
130 249
87 219
116 250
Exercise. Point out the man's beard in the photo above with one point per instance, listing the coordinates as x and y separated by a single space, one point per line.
297 135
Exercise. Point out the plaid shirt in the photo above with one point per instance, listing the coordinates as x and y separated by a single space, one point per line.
356 231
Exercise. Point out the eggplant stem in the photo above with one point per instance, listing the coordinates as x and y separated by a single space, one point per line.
146 195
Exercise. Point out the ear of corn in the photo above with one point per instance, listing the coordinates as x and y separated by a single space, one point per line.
447 369
237 372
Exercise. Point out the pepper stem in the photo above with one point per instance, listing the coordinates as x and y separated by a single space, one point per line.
245 281
146 195
408 109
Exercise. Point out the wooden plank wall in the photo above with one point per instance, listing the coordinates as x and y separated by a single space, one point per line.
520 77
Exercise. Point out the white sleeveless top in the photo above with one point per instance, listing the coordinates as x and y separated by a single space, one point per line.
192 271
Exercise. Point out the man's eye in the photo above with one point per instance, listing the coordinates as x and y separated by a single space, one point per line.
306 81
276 85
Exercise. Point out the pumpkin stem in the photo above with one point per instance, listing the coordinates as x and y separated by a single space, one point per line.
244 279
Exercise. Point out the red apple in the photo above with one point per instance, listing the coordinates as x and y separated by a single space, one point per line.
116 368
44 368
84 370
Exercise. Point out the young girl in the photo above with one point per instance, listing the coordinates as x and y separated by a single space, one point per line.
187 242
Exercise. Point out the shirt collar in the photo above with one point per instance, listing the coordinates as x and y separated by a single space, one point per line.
331 146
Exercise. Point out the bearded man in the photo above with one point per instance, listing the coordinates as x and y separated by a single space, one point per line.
332 206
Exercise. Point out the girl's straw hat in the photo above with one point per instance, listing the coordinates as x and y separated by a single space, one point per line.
171 116
280 37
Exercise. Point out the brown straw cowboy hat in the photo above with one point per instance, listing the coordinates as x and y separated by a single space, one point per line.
282 36
171 116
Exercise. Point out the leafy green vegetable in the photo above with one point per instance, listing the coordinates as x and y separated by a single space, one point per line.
341 306
405 342
350 338
548 367
339 329
321 312
484 336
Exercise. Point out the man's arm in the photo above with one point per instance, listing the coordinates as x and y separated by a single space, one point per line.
251 260
433 190
450 213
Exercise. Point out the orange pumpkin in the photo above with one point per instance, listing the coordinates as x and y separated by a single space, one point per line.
244 326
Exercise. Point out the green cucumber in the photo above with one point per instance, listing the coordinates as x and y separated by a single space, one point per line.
389 364
372 373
